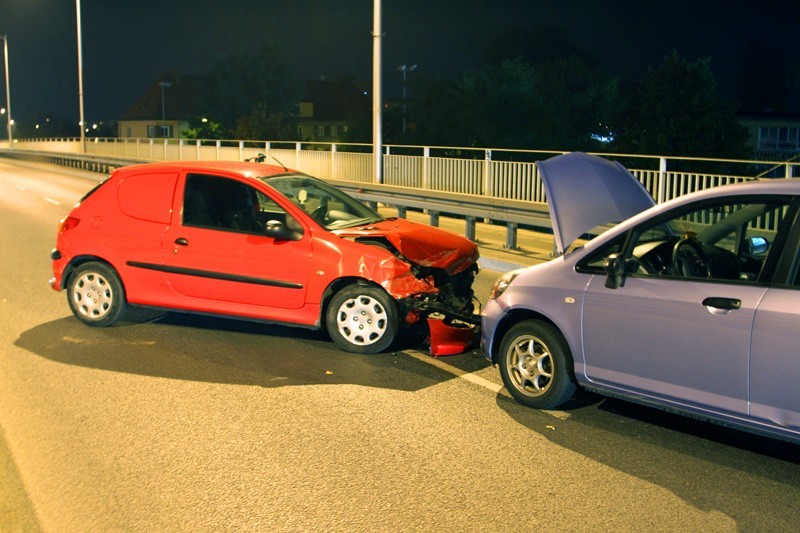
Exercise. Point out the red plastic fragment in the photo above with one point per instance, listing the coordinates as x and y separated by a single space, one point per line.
450 340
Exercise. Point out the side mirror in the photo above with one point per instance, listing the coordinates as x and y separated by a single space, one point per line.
757 245
278 231
614 266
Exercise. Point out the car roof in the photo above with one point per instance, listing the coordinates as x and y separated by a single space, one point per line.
239 168
754 186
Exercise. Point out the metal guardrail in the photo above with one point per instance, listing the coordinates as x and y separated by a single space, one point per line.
102 164
513 213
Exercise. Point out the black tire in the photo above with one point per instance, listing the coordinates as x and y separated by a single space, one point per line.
96 295
536 365
362 319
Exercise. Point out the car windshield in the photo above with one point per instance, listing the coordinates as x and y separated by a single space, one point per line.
329 206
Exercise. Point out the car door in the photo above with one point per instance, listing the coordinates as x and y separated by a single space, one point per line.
656 337
675 335
775 359
219 254
775 366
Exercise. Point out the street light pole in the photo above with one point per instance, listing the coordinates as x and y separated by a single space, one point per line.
8 93
80 74
377 147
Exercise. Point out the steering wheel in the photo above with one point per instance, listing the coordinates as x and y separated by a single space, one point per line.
689 259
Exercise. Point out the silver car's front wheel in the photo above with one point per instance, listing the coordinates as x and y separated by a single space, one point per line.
535 365
531 365
362 319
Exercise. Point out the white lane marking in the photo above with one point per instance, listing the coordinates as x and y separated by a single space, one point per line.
450 369
472 378
54 202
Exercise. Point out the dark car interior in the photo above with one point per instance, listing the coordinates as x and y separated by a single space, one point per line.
220 203
727 242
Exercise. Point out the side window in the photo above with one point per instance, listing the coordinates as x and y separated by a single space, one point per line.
227 204
724 240
594 264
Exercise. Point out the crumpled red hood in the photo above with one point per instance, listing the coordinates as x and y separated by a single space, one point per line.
423 245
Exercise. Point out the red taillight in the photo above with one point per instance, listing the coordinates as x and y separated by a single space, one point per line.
67 224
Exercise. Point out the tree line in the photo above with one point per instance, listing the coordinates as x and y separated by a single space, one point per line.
537 89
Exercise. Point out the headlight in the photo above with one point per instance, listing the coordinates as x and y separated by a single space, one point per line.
502 283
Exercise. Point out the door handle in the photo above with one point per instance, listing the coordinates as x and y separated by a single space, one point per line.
181 241
718 302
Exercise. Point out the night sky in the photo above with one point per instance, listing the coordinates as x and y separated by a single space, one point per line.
128 44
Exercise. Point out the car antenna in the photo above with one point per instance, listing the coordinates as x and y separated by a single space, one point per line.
285 168
261 157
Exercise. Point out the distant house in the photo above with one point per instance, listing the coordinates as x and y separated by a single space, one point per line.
326 113
773 136
330 108
164 109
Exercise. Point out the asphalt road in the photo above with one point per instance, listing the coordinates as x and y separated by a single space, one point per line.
195 424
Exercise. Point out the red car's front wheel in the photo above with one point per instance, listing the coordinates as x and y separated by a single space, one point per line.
362 319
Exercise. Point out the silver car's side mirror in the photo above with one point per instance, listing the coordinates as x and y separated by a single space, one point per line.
614 265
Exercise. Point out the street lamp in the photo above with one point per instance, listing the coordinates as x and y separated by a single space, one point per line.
405 69
377 127
80 73
8 92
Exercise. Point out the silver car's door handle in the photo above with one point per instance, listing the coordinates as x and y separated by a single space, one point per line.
718 302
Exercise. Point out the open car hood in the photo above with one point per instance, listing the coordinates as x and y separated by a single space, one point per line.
423 245
585 191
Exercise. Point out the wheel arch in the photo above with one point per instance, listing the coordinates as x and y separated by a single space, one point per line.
336 286
79 260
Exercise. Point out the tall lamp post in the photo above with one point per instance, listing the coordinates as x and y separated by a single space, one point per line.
405 69
80 75
8 93
377 128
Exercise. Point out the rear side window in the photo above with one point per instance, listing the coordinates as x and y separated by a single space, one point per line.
147 196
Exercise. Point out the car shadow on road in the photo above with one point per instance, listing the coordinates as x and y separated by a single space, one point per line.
743 476
219 350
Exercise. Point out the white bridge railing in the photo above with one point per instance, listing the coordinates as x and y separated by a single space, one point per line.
491 173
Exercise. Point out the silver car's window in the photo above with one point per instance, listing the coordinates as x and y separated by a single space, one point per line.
725 240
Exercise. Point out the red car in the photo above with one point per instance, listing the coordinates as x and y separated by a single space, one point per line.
259 242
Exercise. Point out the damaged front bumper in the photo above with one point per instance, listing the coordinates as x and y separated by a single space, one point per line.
449 332
451 339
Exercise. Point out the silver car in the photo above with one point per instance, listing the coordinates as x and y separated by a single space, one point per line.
692 305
